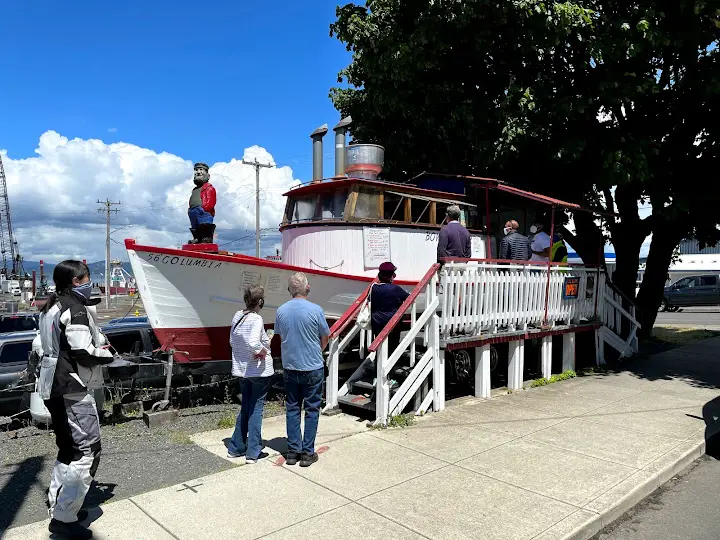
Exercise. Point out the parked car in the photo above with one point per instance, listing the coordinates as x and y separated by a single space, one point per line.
700 290
14 352
16 291
18 322
130 339
143 319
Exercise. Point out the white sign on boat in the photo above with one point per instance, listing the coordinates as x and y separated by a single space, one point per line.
376 246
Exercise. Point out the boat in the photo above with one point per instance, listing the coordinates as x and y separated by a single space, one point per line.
336 230
121 282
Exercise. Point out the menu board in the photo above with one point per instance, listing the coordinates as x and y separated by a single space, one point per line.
249 279
376 246
274 284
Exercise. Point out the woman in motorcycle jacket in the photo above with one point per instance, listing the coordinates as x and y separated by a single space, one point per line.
72 359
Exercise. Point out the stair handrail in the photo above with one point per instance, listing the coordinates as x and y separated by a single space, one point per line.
350 313
393 322
609 282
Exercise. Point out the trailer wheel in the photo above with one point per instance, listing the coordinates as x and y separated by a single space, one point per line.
463 367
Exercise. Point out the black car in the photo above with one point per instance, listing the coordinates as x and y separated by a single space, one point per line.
700 290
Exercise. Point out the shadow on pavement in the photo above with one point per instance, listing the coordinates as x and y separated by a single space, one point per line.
14 492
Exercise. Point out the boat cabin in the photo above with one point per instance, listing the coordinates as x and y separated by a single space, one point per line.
352 225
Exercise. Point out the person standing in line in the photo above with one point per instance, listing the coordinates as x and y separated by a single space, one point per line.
253 364
303 332
514 246
385 299
72 359
540 244
454 238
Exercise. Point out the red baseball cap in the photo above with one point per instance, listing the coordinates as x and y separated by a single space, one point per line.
387 267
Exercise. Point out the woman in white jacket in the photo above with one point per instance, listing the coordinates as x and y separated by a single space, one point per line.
253 363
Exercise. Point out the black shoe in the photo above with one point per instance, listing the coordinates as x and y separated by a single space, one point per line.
69 530
82 515
291 459
252 461
308 459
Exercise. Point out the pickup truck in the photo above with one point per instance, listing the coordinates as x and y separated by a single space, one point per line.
700 290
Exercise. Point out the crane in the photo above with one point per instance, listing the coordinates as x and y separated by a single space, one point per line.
12 265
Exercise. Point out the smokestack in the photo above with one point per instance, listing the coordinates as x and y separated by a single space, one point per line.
34 285
340 131
317 137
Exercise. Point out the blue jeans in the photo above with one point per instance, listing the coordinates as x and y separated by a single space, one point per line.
198 216
302 387
247 437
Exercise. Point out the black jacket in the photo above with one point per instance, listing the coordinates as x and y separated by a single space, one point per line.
68 332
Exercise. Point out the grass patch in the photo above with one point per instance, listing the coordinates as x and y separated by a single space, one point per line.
542 381
397 421
681 336
227 421
180 437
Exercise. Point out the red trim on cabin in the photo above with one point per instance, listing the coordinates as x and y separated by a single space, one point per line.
500 338
332 185
246 259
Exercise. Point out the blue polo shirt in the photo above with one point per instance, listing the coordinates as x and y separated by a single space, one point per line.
301 324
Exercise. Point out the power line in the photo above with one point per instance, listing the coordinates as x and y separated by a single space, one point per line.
107 209
257 166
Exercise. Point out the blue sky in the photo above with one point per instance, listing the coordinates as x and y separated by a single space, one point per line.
202 80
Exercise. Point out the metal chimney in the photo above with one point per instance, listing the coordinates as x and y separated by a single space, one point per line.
317 137
340 131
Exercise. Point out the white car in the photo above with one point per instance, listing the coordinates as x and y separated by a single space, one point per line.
16 291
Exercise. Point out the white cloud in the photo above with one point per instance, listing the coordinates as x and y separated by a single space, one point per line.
53 197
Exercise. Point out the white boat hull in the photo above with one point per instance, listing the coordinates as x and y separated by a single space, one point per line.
190 297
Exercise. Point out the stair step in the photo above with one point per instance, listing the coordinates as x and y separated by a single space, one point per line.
360 402
367 385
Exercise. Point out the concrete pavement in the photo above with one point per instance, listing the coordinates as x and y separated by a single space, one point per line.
556 462
684 509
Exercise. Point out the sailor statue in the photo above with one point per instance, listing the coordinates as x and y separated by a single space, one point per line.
202 206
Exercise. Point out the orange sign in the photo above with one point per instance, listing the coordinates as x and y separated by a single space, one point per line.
572 287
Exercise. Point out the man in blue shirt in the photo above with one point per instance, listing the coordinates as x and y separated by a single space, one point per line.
303 332
454 239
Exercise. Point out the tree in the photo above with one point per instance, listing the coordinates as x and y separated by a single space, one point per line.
607 103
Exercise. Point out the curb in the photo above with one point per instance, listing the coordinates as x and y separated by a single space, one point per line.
614 503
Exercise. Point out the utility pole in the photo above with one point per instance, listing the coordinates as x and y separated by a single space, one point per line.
257 166
107 209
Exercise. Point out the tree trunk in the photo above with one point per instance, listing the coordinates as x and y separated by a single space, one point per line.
588 241
627 242
665 238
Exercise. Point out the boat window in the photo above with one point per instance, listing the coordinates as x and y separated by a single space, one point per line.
420 211
393 207
468 215
332 205
366 206
301 209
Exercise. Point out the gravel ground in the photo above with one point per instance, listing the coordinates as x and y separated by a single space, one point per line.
134 460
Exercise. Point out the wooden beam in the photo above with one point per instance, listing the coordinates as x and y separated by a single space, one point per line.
381 205
408 210
433 213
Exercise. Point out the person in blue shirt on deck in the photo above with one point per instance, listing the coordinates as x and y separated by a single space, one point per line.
303 332
385 299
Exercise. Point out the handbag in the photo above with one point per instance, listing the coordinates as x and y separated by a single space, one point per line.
364 318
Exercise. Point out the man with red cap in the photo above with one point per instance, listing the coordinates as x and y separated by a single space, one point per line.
385 299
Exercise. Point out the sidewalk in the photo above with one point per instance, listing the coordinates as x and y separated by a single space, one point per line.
550 463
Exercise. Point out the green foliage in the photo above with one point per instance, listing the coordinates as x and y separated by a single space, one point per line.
227 421
397 421
601 102
569 374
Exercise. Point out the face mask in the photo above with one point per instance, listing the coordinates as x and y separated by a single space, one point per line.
533 229
507 230
85 290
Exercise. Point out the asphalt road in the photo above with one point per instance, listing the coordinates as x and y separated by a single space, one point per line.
686 508
697 317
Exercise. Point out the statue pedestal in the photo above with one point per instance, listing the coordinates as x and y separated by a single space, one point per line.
203 248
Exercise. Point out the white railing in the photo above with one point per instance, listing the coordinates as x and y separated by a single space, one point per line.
620 324
480 297
417 384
